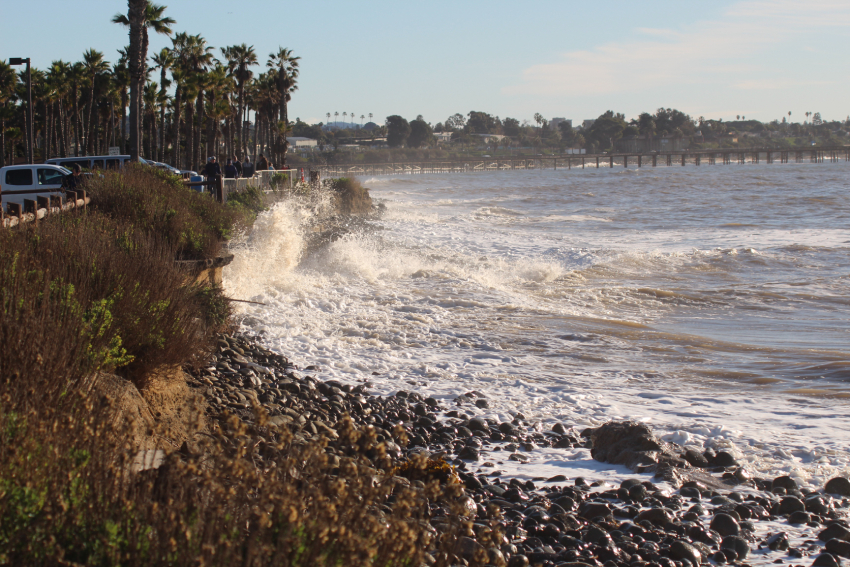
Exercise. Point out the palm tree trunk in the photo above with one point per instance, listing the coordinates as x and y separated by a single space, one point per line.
199 110
136 14
175 125
3 139
190 127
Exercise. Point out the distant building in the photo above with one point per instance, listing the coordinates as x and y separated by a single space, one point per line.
587 123
299 142
556 122
443 136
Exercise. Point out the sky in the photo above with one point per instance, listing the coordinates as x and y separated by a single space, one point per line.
559 58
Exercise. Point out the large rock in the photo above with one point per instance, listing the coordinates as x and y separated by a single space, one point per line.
633 444
838 485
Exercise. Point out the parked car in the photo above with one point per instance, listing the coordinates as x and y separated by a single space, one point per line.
93 162
19 182
165 166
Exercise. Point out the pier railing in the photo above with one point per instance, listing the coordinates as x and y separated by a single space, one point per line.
570 161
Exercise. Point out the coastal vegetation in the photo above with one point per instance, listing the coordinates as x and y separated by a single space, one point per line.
95 309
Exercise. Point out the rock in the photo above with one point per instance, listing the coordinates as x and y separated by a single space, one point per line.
791 504
518 560
838 485
785 482
695 459
835 531
799 518
631 444
478 424
686 552
725 525
724 459
518 457
778 542
483 404
468 547
738 544
637 492
838 547
826 560
658 516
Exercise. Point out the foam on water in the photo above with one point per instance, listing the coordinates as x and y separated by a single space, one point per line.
582 298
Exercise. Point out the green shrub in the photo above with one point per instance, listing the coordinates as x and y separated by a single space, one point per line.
157 202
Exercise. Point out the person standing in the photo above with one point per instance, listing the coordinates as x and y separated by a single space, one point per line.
230 170
211 169
262 163
247 168
238 165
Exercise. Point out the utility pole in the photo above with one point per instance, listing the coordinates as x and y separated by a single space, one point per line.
21 61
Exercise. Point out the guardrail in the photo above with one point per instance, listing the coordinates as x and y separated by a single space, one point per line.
36 209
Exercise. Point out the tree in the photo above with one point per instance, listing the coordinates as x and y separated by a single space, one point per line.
94 66
286 68
510 127
605 130
538 118
454 122
163 61
135 16
483 123
567 133
398 129
151 17
420 134
239 59
8 84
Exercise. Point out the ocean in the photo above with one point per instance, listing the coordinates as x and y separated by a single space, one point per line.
709 302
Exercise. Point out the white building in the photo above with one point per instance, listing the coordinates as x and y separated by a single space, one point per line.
442 137
301 143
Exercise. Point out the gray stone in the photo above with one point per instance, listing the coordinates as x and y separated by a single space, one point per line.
738 544
685 551
791 504
835 531
725 525
826 560
838 485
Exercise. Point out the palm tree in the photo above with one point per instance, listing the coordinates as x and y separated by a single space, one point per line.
152 18
8 84
361 121
239 58
135 65
286 66
163 61
329 116
336 119
93 65
370 117
344 114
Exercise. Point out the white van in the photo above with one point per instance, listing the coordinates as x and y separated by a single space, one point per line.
92 163
19 182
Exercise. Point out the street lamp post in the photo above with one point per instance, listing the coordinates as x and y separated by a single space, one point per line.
21 61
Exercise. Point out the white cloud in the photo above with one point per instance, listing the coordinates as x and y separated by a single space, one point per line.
708 52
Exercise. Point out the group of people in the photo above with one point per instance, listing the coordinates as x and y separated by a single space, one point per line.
234 169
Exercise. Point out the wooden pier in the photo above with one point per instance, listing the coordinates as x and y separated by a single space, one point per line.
574 161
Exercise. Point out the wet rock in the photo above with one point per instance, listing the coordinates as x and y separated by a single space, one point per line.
838 547
518 560
725 525
631 444
785 482
695 459
778 542
723 459
685 551
838 485
468 547
738 544
826 560
658 516
790 504
835 531
799 518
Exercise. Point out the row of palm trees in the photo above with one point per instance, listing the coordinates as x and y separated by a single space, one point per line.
184 102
